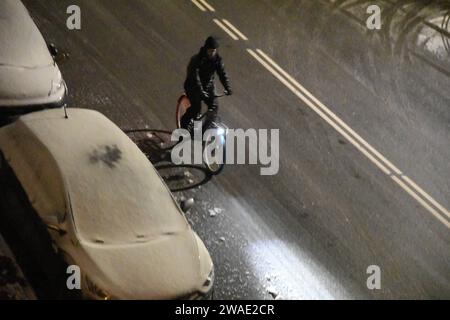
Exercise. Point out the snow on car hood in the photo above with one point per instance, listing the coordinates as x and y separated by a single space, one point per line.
167 268
22 44
116 195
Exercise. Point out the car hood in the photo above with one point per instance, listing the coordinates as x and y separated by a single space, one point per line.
21 86
168 267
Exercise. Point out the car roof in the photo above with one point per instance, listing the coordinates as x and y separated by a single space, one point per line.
22 44
88 164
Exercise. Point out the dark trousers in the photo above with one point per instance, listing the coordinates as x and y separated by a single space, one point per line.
196 107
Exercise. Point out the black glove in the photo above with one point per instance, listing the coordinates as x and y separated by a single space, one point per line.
228 92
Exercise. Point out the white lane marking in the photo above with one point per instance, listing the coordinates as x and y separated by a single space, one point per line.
236 30
426 195
198 5
421 201
207 5
319 112
357 145
359 138
330 113
224 28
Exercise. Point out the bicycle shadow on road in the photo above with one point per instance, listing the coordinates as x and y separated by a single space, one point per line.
157 147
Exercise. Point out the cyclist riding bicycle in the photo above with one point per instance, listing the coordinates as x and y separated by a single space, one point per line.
199 84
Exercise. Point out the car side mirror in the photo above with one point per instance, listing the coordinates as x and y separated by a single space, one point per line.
187 204
58 56
53 50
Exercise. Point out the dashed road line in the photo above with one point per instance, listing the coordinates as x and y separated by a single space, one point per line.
207 5
236 30
198 5
224 28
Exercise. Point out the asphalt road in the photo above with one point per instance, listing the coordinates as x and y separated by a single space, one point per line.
13 285
312 230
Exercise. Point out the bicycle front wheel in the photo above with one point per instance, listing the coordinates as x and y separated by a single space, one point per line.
214 156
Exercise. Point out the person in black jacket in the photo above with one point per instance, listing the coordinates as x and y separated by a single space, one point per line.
199 84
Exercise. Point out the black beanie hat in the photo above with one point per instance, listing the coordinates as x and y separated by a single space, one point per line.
211 43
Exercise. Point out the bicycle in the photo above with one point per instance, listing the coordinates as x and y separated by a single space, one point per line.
221 131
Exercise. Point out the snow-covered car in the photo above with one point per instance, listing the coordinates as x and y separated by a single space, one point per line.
29 76
105 206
